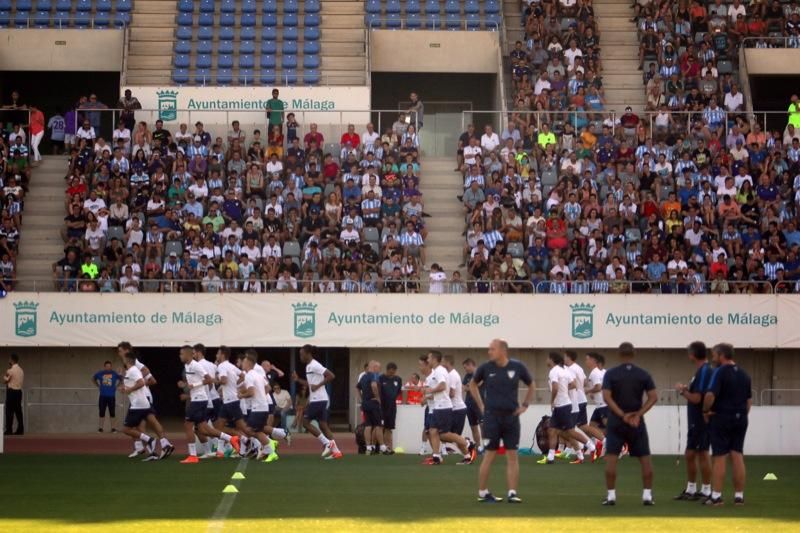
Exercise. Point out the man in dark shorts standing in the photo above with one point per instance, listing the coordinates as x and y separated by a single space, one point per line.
623 389
726 406
474 415
107 381
369 390
391 387
697 439
500 378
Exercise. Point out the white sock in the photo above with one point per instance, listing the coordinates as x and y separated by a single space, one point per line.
165 442
569 451
279 433
483 493
705 490
334 447
267 448
383 448
561 447
370 448
739 495
512 493
647 494
715 495
144 437
691 487
590 446
580 455
323 439
193 449
612 495
138 446
551 455
225 437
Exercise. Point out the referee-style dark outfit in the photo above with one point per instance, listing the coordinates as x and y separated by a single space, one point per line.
697 437
731 388
501 384
627 383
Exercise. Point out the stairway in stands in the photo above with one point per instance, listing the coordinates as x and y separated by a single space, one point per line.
440 186
622 79
342 43
152 37
40 241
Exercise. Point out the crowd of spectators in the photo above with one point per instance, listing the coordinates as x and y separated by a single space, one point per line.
153 210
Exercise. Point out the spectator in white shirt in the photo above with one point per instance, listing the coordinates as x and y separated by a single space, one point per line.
489 140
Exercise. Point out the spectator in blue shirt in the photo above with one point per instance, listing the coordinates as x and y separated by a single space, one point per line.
107 381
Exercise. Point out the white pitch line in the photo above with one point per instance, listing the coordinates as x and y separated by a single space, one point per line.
217 522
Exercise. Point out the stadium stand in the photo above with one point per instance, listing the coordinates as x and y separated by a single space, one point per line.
433 15
80 14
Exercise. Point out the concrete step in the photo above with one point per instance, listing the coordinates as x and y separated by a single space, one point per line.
145 33
622 81
342 49
136 62
343 62
151 48
343 35
152 20
341 21
607 11
343 8
616 65
618 37
615 23
154 6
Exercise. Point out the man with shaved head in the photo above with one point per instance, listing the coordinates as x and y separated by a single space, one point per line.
369 390
500 378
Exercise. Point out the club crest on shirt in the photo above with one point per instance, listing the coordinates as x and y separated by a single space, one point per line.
511 373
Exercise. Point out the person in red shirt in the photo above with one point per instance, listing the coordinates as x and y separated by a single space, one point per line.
330 169
313 136
351 137
37 131
720 266
756 27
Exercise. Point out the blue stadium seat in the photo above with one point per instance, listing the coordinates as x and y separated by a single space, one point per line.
224 76
227 19
452 21
41 19
452 7
247 47
491 7
180 76
63 5
41 5
80 5
471 7
227 33
269 33
247 76
311 34
291 6
372 21
311 20
204 47
432 7
289 61
311 61
124 6
311 47
290 19
225 47
185 19
182 60
207 6
203 61
413 21
184 33
248 20
267 61
393 21
227 6
267 76
290 33
289 76
392 7
269 47
492 21
205 19
312 6
224 61
269 19
5 19
247 34
102 19
412 7
185 6
103 6
310 77
248 6
473 21
247 61
202 76
61 19
205 32
373 7
5 5
433 21
183 47
289 47
82 19
270 6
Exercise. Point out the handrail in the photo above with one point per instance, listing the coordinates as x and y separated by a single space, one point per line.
652 287
463 23
126 42
282 78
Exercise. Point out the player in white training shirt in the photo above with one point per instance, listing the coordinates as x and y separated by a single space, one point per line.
196 381
317 377
561 422
456 395
138 406
437 390
214 405
578 397
230 376
254 390
595 362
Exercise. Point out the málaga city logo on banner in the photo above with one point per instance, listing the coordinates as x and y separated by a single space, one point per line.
582 321
25 319
305 319
167 105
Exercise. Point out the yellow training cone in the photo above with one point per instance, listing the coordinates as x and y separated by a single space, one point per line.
237 475
230 489
770 477
399 450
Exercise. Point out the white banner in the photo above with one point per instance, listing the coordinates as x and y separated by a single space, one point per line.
222 105
413 321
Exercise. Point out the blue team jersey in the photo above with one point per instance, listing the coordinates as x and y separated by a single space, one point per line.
107 380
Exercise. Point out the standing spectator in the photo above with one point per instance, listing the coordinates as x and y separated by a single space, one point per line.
58 128
36 131
283 401
14 379
107 381
416 111
95 118
275 109
129 104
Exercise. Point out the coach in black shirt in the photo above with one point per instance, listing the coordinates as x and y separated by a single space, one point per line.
391 385
500 378
726 406
624 386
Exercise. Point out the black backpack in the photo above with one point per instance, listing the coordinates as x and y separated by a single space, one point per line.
540 435
361 442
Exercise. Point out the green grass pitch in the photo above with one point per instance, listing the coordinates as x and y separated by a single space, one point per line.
302 492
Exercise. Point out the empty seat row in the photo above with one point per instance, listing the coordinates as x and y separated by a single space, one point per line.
451 21
82 20
248 6
432 7
247 61
81 6
227 33
246 77
247 20
244 47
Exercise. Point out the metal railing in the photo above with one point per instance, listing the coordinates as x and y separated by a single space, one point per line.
556 120
770 41
401 23
70 22
653 287
204 77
